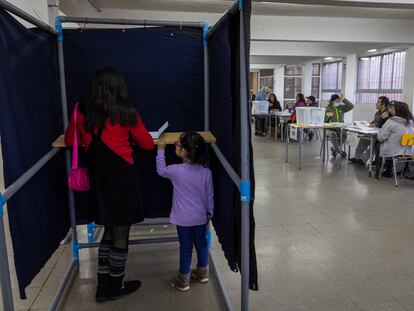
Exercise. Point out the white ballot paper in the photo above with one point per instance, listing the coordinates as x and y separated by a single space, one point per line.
157 134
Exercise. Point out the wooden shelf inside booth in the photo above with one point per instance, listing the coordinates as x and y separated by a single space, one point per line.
169 138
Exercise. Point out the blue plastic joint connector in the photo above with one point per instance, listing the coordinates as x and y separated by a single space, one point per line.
2 202
75 250
205 31
58 27
245 191
240 5
91 232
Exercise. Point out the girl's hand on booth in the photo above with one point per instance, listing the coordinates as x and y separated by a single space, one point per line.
330 114
161 144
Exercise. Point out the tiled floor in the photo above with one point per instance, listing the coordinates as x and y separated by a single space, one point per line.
327 239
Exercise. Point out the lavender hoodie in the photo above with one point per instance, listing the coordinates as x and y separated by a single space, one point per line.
193 194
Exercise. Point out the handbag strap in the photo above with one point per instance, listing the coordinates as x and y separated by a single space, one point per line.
75 140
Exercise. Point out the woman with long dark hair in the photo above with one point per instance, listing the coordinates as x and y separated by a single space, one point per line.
392 131
107 124
274 104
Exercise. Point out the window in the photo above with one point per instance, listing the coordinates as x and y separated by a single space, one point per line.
293 84
381 75
316 80
331 79
266 81
266 78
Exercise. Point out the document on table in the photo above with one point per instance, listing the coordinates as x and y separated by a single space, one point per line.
157 134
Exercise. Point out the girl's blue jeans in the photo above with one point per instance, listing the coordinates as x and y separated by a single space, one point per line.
189 236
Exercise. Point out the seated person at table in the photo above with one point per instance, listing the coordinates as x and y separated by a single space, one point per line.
335 112
300 102
274 106
311 101
362 150
391 133
260 121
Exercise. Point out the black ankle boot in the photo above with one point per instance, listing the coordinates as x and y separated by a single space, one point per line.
119 289
102 289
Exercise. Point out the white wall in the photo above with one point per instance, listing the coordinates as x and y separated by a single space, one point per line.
349 87
307 79
279 84
364 112
325 29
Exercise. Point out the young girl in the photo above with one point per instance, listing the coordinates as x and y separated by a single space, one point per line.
193 204
107 123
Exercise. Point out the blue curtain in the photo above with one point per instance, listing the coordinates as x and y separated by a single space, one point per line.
30 120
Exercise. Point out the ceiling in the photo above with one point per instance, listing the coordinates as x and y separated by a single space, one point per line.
326 8
274 51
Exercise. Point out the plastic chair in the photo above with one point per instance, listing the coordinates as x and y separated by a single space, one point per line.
407 140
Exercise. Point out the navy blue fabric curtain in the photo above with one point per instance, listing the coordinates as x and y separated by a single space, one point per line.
30 120
225 100
163 68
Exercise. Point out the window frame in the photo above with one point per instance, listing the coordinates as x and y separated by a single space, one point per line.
338 87
380 90
262 78
319 83
287 101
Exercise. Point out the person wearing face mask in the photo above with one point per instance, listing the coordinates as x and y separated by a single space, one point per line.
335 112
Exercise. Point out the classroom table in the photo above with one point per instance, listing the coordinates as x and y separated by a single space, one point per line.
301 127
365 133
280 118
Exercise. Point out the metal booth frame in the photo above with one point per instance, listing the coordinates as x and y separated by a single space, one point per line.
242 182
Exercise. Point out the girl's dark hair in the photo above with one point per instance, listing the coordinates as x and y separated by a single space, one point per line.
301 97
333 98
402 111
108 98
274 97
195 145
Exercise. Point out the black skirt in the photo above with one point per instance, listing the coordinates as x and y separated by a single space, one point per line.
116 186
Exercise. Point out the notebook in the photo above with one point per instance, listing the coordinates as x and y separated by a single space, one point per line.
157 134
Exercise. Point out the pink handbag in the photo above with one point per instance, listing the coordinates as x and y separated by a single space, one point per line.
79 178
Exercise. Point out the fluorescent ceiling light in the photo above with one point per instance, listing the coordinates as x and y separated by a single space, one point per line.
372 50
328 58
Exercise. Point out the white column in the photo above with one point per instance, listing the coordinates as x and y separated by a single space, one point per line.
408 90
53 10
279 84
350 73
307 79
